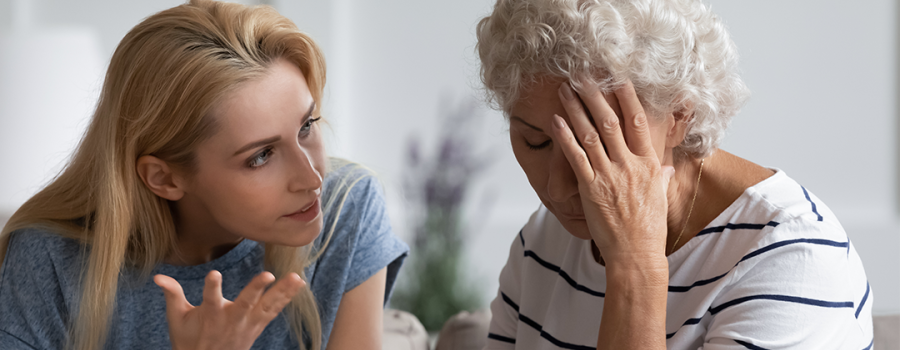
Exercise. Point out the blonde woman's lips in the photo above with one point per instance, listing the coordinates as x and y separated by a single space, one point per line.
308 213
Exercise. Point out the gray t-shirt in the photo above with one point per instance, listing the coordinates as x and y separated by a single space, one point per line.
40 277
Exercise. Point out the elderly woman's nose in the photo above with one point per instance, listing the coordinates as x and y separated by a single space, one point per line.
303 174
561 181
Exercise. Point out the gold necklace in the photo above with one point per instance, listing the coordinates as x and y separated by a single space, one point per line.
696 189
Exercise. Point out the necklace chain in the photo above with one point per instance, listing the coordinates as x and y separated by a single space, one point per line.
686 220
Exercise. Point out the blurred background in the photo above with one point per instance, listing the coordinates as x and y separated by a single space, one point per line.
403 91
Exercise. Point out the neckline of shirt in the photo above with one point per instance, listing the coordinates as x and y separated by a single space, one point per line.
220 264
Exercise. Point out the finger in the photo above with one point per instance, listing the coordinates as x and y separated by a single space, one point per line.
254 290
607 121
613 103
277 297
576 156
176 304
584 129
637 130
212 289
667 173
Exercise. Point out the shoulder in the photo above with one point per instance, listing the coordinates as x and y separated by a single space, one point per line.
357 230
350 189
789 198
37 248
39 280
792 211
803 252
775 209
779 253
352 192
778 237
343 174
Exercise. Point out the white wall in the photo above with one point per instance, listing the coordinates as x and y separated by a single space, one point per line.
823 74
824 82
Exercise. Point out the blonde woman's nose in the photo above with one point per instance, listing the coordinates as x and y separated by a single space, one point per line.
304 175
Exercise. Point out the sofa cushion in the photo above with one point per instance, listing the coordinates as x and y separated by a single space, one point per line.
887 332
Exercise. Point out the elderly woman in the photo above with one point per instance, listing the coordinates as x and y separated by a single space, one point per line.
649 236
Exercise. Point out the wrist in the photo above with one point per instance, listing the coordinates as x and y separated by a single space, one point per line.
638 273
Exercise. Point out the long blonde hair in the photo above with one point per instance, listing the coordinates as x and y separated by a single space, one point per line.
162 81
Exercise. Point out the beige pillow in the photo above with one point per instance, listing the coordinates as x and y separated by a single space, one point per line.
465 331
403 331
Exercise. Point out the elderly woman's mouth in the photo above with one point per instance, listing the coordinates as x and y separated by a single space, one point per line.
570 216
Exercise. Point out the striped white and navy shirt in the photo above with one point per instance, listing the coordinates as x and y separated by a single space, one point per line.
775 270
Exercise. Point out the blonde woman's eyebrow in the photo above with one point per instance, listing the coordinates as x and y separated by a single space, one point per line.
312 107
255 144
520 120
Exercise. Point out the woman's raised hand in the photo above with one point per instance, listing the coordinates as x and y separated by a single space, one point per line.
620 180
222 324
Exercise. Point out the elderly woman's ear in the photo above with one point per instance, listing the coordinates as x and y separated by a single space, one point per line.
679 122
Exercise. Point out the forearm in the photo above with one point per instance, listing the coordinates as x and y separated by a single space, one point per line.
634 309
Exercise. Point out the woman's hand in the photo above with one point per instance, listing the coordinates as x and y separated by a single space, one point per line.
623 192
221 324
622 187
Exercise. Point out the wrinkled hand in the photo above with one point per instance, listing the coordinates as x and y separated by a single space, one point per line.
222 324
622 188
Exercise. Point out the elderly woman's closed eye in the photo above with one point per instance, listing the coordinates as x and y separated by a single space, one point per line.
649 236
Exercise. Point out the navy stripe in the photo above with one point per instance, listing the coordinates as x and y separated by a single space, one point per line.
794 241
863 302
544 263
778 297
731 226
811 202
550 338
539 328
522 238
870 344
682 289
531 323
686 323
749 345
509 301
501 338
563 274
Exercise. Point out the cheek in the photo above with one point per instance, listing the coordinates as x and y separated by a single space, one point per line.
241 197
534 163
316 150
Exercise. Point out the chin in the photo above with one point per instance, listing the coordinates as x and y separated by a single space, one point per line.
577 228
299 237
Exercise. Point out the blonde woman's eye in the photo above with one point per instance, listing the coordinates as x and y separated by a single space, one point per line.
305 129
260 158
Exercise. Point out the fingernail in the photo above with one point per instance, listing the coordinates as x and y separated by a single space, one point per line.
566 91
558 122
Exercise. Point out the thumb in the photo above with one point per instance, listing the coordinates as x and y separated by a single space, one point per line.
176 304
668 172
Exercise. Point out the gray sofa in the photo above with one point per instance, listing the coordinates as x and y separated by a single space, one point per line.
887 332
468 331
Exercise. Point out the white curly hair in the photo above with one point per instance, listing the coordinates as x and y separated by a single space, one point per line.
677 54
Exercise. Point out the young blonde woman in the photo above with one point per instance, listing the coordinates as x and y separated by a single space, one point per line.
202 168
